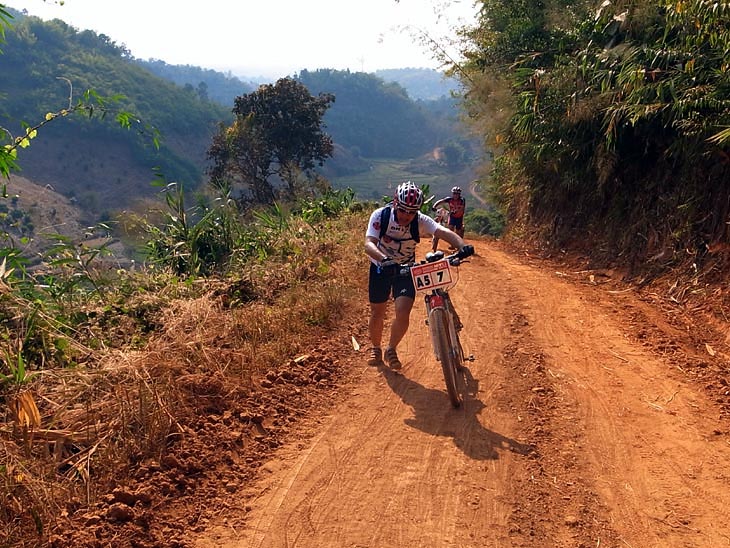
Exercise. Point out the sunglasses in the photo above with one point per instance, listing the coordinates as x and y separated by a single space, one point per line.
406 211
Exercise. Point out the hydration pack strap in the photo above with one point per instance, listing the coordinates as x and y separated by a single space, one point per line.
385 221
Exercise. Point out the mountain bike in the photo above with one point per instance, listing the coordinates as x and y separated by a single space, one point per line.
433 278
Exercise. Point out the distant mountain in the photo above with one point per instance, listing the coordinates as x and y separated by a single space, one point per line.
421 84
103 168
374 118
424 84
217 86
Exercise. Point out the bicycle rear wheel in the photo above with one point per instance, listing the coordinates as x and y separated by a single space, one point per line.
446 354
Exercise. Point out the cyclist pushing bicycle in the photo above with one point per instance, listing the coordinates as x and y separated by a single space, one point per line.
390 241
457 207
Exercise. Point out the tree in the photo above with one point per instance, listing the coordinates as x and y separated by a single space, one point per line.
202 90
277 133
454 155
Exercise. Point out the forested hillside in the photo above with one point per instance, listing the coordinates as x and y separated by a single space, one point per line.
421 84
611 120
379 119
207 83
47 66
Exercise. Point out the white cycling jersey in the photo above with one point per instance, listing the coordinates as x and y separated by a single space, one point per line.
397 242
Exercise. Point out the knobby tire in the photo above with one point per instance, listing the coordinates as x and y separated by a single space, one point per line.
455 342
446 354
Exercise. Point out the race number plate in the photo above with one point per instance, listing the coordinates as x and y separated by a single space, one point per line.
429 276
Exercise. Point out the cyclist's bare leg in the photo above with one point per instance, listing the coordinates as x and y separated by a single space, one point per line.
434 244
375 326
403 306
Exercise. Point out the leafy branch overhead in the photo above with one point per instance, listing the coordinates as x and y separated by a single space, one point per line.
91 103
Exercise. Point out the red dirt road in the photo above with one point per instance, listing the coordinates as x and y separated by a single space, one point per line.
589 424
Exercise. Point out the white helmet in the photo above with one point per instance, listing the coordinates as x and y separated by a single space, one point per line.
408 196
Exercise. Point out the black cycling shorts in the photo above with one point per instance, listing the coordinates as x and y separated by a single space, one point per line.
386 281
456 222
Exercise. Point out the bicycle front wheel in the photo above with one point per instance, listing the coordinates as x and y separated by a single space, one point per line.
446 354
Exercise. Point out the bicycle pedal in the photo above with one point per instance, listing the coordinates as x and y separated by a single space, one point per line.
470 358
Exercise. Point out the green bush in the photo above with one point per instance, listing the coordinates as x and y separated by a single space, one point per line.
484 222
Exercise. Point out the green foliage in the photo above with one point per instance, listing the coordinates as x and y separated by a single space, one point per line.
420 83
14 222
384 175
200 241
276 230
203 83
277 132
455 155
41 308
18 375
273 218
74 261
427 198
330 204
5 18
192 241
484 222
619 118
91 103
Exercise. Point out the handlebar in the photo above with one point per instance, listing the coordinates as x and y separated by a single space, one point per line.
455 259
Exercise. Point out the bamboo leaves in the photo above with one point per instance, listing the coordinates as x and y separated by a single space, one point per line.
620 112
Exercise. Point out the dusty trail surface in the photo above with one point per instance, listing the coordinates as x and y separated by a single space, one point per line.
589 423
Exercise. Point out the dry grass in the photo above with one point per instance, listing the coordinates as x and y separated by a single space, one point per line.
128 405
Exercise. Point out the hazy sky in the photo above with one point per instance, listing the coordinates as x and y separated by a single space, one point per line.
270 38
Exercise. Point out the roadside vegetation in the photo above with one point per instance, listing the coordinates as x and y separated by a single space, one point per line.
104 368
609 122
